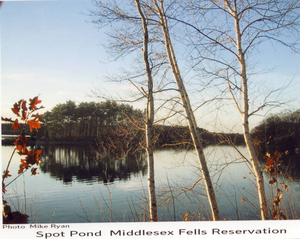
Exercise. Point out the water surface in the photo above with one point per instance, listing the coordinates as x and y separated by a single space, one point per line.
78 184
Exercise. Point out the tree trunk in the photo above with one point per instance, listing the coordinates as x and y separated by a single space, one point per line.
189 113
245 116
149 120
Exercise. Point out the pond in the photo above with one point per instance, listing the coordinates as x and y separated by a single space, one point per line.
79 184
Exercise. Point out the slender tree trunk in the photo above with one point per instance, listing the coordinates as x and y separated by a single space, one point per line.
189 113
149 120
245 115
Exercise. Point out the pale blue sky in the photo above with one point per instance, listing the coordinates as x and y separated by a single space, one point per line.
51 49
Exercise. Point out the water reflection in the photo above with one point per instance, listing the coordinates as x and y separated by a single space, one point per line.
85 164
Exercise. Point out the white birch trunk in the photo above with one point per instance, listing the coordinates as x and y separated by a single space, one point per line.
189 113
149 121
245 115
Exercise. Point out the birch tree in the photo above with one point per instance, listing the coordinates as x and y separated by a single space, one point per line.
159 5
126 43
149 119
151 13
227 32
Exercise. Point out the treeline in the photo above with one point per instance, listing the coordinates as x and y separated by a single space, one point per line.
87 120
109 125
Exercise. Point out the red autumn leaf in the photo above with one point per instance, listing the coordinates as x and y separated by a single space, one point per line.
16 108
22 166
6 119
37 156
33 124
33 157
16 125
24 115
277 156
6 174
38 117
269 162
34 102
21 143
23 105
24 110
3 188
23 152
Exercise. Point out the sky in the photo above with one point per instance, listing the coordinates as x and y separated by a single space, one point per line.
51 49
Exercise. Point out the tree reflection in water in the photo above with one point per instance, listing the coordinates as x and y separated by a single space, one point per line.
85 164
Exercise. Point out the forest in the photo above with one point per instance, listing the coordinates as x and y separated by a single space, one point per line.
112 126
107 123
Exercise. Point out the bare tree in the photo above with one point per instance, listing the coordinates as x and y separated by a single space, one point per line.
151 14
188 109
129 36
226 32
149 119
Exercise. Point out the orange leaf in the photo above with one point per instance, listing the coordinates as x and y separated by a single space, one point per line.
21 142
38 117
16 125
16 108
269 162
6 119
6 174
24 151
33 124
33 157
277 156
34 102
22 166
3 188
24 110
26 163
